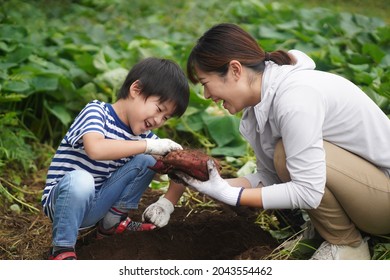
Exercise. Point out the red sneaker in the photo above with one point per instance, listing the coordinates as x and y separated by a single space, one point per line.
126 224
65 254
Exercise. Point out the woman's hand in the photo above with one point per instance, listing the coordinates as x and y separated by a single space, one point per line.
216 187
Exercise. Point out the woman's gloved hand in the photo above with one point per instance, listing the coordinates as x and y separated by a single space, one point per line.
216 187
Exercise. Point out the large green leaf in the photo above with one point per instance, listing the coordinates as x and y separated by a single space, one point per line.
16 86
44 83
19 55
60 111
374 51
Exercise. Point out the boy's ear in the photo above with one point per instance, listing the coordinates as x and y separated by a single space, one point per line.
135 89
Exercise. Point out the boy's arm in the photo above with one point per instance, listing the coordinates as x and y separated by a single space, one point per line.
160 212
174 192
98 147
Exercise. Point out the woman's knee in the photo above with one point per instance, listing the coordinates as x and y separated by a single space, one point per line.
280 162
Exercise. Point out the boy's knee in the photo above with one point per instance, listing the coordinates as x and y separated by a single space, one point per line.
144 161
81 184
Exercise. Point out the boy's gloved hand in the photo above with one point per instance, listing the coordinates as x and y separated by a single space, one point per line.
216 187
159 212
161 146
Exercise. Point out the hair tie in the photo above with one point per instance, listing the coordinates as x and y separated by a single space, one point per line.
267 56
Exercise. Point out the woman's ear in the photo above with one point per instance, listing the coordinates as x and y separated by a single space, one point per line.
235 68
135 89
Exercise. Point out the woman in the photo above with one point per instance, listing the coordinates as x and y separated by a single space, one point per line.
321 144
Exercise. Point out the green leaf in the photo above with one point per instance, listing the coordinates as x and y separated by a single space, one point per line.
99 61
193 122
7 47
336 56
60 112
223 129
19 55
12 32
114 78
42 83
16 86
348 25
12 97
236 150
374 51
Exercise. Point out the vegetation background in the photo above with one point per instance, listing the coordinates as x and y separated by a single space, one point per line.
55 56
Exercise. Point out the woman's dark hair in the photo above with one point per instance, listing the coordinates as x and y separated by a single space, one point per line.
226 42
162 78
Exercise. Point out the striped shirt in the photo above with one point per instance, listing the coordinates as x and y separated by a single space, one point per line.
97 117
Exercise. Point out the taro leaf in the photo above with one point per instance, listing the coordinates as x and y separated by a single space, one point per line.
192 122
374 51
16 86
114 77
224 131
59 111
44 83
271 32
383 34
233 150
385 63
357 58
151 47
348 25
336 56
98 34
385 89
198 101
100 63
111 53
19 55
7 48
12 32
85 62
363 78
6 66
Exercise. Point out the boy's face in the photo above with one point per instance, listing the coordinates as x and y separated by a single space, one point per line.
143 115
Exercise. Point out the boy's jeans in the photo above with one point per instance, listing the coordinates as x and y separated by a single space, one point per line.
78 205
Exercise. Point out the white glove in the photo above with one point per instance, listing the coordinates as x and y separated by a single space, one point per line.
159 212
216 187
161 146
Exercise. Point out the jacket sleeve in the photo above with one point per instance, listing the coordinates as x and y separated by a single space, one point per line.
299 115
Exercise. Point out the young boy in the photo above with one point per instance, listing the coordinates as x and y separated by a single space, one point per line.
100 169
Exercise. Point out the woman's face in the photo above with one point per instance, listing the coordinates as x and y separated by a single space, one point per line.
233 89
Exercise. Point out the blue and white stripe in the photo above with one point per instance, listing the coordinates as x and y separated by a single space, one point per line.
97 117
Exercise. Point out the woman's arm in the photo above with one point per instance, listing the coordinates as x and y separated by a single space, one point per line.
251 197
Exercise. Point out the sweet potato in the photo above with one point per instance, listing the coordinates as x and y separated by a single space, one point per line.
191 162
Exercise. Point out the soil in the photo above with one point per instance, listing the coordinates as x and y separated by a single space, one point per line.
207 230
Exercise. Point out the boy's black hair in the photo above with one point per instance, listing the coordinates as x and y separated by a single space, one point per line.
162 78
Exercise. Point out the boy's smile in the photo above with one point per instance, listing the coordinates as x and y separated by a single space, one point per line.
142 114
